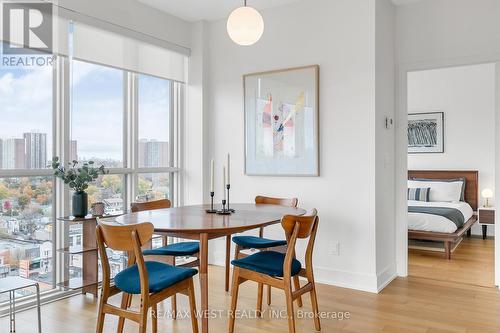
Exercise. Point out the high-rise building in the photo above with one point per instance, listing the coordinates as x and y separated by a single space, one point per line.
13 154
1 153
142 152
36 150
73 152
153 153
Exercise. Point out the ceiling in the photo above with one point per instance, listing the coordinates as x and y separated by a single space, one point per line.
404 2
195 10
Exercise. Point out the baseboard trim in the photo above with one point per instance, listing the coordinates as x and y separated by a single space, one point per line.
343 279
385 277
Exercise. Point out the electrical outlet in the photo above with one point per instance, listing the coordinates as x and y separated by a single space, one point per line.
334 249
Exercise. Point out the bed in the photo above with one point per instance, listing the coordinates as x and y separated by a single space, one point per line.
424 224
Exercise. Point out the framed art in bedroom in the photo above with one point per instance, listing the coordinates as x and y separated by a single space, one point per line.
426 132
281 122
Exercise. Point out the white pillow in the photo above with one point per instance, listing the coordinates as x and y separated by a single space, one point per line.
440 191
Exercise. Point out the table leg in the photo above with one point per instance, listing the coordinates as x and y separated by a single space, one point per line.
204 281
485 230
38 308
228 262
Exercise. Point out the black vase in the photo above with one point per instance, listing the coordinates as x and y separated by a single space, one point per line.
80 204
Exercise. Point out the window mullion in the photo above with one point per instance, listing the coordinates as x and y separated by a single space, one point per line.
177 151
132 143
61 134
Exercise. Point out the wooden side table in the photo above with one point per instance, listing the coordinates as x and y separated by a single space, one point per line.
89 280
486 217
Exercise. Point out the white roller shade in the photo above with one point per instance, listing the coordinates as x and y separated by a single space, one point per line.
108 48
61 35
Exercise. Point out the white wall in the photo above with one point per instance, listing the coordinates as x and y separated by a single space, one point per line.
385 105
497 167
466 95
339 36
195 132
434 34
447 29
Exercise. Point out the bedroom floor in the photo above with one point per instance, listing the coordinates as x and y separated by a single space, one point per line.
471 263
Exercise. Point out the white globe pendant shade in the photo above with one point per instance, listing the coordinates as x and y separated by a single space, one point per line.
245 25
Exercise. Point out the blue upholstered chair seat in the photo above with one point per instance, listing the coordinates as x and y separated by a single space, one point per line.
160 276
176 249
253 242
267 262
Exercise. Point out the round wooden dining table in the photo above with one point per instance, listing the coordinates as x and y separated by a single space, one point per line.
192 222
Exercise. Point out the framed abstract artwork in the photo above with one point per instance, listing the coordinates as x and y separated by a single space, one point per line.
426 132
281 122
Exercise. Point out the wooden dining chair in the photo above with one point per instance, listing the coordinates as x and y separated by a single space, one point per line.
150 205
153 281
168 252
278 269
260 243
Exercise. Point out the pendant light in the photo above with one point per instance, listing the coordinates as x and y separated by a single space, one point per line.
245 25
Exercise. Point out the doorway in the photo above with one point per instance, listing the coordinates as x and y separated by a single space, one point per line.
458 105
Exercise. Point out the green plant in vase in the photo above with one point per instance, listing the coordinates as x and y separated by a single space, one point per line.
78 177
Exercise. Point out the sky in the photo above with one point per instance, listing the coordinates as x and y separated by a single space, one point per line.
96 107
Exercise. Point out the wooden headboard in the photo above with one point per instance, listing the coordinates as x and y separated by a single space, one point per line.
471 184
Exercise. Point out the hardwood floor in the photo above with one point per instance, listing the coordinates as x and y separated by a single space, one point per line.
473 262
412 305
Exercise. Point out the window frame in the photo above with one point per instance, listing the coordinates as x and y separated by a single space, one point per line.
61 144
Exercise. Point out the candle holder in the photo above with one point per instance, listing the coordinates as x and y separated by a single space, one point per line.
211 210
223 211
228 187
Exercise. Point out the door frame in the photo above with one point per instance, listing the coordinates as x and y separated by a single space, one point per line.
401 144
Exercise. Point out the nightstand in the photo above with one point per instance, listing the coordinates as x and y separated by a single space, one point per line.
486 216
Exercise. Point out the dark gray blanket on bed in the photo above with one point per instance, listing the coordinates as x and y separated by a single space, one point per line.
451 214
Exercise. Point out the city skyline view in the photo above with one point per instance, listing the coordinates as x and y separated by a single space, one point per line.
96 106
96 103
30 152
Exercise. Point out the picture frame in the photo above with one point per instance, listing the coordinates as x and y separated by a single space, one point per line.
426 133
281 112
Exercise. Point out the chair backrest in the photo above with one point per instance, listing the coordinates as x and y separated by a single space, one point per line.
129 238
299 227
150 205
276 201
304 224
121 237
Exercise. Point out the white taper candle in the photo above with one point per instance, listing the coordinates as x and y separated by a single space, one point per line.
212 175
228 169
224 182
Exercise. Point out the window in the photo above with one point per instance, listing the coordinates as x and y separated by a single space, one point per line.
96 114
154 122
156 139
26 117
78 110
26 229
26 185
108 189
153 186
